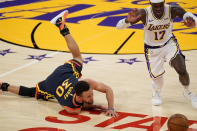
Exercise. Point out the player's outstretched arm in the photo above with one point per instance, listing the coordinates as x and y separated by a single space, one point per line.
134 16
190 20
101 87
72 111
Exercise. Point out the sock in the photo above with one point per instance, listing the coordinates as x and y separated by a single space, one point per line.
186 89
65 30
4 86
157 84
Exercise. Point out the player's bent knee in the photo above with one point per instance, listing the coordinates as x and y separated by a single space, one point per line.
25 91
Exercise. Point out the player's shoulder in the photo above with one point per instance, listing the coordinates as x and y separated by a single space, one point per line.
92 83
88 80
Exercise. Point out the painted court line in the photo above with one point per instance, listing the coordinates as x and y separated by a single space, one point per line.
25 65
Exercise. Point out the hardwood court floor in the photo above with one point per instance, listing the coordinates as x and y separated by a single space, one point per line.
26 22
130 82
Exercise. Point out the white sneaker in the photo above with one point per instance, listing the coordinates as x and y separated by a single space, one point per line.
53 21
156 100
192 97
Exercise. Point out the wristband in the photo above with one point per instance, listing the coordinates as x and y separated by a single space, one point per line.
122 24
189 14
112 109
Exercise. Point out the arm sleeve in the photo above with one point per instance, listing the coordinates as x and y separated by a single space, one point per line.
189 14
122 24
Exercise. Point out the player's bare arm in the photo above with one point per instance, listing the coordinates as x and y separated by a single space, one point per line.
134 16
189 19
87 106
72 111
177 11
101 87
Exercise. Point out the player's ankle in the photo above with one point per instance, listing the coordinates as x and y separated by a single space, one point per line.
65 31
4 86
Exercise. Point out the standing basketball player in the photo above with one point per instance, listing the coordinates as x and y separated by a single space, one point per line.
161 45
63 83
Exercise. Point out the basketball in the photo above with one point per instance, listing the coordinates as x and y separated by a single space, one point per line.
178 122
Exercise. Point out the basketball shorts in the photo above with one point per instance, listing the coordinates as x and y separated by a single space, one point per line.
156 57
46 89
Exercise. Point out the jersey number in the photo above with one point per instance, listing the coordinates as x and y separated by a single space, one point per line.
161 34
59 91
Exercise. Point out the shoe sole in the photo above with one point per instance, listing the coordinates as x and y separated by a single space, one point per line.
64 14
63 19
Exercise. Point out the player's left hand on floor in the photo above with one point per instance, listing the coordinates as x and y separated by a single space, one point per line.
111 113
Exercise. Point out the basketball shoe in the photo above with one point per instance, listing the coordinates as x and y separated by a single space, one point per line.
192 97
156 100
59 21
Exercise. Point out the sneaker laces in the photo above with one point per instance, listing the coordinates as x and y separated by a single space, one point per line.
63 20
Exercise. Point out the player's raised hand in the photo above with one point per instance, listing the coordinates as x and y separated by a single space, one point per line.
189 22
133 16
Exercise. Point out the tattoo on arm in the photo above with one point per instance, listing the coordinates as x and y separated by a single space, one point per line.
143 17
177 11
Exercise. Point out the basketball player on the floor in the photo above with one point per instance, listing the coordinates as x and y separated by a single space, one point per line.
161 45
63 83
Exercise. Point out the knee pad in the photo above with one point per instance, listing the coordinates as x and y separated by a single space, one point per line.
25 91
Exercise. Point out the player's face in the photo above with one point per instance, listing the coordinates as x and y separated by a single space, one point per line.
87 96
158 9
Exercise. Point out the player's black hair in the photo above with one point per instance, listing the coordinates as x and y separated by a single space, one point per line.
81 86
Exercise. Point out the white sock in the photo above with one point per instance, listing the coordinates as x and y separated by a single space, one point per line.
186 89
157 84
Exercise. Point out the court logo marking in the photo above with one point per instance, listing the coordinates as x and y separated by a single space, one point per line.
5 52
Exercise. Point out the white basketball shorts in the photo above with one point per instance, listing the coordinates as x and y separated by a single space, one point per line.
156 57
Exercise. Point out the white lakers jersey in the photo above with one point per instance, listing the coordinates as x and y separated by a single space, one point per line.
158 31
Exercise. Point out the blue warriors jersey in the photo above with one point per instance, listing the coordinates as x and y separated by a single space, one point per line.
60 84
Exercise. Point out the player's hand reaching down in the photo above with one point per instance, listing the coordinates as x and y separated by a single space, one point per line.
108 111
111 113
